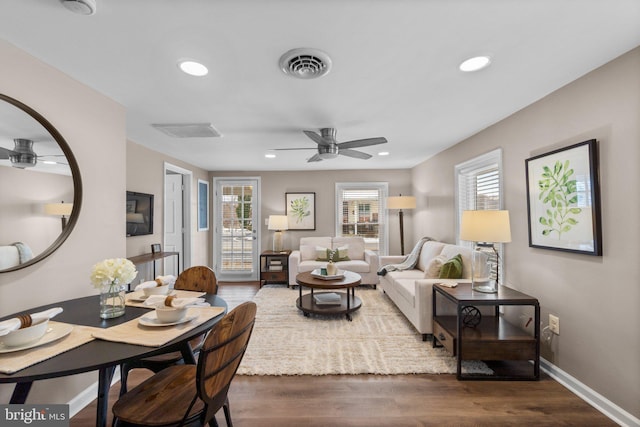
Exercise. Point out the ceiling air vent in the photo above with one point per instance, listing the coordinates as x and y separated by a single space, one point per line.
188 130
305 63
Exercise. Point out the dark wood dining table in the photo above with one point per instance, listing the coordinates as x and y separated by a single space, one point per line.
98 355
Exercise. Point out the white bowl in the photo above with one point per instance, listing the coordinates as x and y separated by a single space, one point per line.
156 290
170 314
26 335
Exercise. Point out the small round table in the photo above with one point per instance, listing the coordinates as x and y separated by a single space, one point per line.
349 302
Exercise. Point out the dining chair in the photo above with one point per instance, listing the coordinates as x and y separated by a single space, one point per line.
198 278
185 394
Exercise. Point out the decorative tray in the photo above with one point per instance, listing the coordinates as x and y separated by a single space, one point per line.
317 273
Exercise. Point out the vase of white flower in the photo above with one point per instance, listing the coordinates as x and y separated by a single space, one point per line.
111 277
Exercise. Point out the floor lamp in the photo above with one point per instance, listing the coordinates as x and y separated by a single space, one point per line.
401 202
484 228
278 223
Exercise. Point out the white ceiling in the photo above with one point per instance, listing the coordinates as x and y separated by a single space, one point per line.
395 68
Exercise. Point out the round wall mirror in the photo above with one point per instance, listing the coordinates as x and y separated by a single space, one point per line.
40 186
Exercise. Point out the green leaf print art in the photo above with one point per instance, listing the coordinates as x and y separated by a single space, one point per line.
300 209
558 192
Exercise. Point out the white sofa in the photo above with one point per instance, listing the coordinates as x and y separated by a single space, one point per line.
361 260
412 292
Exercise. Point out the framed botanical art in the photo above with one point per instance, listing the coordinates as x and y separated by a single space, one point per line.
203 205
563 199
301 210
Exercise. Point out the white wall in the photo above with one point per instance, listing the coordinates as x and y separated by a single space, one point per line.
94 128
596 298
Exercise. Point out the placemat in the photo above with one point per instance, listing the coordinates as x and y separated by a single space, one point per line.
132 332
133 298
17 360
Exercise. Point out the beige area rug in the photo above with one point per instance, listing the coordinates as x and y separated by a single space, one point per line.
379 340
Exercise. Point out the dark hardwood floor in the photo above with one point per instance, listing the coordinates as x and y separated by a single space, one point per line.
377 400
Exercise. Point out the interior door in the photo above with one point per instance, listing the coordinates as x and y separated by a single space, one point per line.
173 224
237 242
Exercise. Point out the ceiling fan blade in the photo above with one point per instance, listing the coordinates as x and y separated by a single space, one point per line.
317 138
362 142
315 158
289 149
355 153
5 153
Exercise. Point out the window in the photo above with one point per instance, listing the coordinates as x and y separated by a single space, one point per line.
360 211
479 187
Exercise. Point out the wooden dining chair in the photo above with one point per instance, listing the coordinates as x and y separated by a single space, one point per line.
198 278
185 394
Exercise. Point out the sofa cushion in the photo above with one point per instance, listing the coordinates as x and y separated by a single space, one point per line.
307 252
414 274
407 290
452 269
429 251
355 246
306 266
356 265
432 270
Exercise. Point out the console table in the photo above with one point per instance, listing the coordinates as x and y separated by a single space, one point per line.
493 338
153 257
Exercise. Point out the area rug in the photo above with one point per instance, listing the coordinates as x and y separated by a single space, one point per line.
379 340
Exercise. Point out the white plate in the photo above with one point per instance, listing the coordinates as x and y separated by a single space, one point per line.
317 274
54 332
151 319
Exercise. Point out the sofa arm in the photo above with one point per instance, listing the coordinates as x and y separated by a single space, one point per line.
294 262
371 258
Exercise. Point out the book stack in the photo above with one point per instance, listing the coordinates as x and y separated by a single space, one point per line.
330 298
275 265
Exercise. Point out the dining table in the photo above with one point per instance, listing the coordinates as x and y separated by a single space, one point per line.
100 355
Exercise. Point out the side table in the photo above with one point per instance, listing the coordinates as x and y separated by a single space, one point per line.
493 338
274 267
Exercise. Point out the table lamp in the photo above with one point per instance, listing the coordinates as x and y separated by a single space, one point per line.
484 228
401 202
278 223
62 208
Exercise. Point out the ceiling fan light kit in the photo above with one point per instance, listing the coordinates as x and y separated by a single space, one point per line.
81 7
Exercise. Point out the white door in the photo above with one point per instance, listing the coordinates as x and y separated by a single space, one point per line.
236 241
173 225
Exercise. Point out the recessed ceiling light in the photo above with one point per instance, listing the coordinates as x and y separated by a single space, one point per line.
193 68
270 156
383 153
475 64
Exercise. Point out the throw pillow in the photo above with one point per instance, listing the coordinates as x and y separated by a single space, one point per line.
322 254
452 269
432 270
341 254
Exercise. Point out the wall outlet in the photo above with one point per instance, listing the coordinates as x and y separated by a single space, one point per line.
554 324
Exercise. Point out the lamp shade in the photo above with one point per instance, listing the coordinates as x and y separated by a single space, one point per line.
58 208
401 202
135 218
278 222
485 226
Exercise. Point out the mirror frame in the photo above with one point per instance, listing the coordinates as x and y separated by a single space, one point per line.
75 174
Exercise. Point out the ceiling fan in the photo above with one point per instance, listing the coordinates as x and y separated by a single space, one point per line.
22 156
329 148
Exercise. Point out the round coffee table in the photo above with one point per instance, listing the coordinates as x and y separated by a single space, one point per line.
349 302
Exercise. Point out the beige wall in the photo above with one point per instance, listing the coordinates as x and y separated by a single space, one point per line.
94 128
274 185
596 298
145 174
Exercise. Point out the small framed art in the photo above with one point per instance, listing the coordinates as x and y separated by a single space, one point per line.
301 210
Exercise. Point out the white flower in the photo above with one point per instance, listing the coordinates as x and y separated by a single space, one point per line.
115 271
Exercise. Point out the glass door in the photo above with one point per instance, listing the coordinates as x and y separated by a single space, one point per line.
236 241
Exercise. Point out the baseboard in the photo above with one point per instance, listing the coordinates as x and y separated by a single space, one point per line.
593 398
88 395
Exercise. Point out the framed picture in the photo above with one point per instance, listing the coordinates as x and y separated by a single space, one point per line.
156 248
563 199
301 211
203 205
